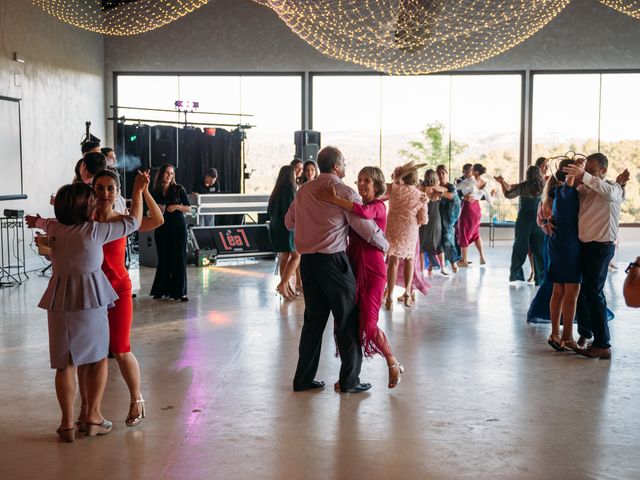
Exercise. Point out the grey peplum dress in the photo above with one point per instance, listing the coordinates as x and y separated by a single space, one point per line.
79 293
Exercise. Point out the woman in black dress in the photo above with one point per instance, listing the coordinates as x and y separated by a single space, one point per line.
281 238
171 238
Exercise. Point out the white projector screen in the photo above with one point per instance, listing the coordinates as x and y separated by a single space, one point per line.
10 150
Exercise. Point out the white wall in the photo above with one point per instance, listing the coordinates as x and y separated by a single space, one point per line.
61 85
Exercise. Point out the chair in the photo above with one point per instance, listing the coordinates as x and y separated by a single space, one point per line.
501 215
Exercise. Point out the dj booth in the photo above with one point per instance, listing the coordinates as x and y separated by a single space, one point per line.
207 244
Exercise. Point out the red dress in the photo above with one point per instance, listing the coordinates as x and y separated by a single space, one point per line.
468 228
120 316
370 271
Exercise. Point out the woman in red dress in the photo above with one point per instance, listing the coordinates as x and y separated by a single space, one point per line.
368 265
106 185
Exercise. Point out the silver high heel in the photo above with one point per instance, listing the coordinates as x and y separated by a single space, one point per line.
94 429
134 420
393 382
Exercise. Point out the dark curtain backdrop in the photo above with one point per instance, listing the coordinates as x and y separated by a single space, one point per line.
141 146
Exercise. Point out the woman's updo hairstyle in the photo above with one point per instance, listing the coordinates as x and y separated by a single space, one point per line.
75 204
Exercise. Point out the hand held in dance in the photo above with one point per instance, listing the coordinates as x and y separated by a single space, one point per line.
623 178
574 170
31 220
140 183
171 208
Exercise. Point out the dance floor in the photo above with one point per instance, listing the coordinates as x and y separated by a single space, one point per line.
483 396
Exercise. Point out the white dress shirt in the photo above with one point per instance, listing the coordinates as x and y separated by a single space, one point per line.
600 202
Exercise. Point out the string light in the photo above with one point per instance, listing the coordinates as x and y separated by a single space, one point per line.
120 18
408 37
630 7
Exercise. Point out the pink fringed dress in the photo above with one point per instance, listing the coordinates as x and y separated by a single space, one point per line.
370 271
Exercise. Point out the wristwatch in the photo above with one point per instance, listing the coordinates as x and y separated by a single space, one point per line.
632 265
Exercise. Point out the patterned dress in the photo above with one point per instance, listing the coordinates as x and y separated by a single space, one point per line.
407 211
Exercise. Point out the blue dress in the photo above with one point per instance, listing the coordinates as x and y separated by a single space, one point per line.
563 245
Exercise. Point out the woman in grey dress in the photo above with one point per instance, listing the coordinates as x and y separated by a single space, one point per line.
78 296
431 233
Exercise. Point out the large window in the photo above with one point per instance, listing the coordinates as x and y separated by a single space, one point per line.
270 103
450 119
586 113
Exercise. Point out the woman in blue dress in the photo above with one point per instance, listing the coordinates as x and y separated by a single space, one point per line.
560 210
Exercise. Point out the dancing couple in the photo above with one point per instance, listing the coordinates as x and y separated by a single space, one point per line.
327 267
580 212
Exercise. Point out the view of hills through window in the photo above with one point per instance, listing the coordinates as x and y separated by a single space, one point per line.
387 120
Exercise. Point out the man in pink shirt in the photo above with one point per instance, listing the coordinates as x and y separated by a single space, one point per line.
329 285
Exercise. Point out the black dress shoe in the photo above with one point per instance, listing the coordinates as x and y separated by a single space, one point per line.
357 388
313 385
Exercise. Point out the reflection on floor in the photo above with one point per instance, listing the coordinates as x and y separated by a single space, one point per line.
483 396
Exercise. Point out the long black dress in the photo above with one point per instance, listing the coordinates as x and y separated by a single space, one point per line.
171 245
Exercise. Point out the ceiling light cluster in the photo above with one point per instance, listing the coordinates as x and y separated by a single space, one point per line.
401 37
415 36
124 17
630 7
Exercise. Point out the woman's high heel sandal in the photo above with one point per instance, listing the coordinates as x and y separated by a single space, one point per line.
68 435
134 420
394 380
409 299
94 429
388 304
80 423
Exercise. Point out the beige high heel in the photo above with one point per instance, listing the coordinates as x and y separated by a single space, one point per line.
394 380
388 304
409 299
134 420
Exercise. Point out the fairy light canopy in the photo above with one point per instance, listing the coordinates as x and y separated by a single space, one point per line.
415 36
630 7
119 17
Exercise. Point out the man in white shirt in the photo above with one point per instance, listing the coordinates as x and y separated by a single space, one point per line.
600 202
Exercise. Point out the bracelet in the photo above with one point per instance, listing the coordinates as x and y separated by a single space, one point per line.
632 265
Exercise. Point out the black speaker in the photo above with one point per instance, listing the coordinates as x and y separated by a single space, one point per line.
307 144
164 146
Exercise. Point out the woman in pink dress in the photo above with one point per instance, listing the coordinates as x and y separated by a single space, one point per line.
407 211
473 190
368 265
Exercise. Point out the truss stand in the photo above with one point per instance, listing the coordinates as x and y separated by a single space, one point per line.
12 252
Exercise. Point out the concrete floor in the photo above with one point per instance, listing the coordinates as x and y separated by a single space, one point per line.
483 396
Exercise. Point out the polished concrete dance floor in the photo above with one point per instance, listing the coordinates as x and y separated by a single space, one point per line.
483 395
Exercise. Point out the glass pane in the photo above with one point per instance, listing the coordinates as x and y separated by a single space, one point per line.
565 114
148 91
218 94
276 105
485 128
620 137
346 111
415 120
